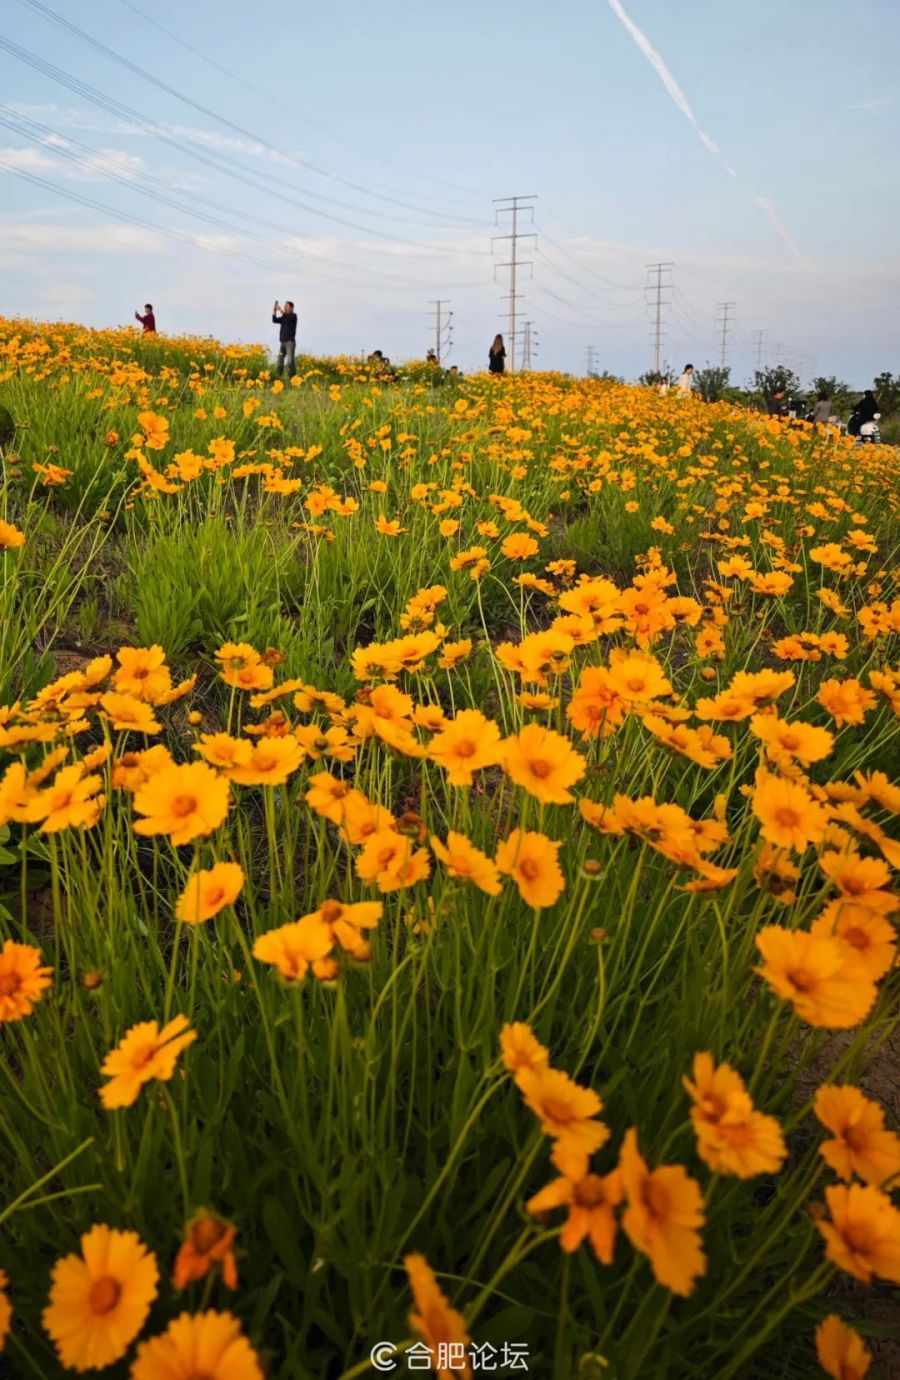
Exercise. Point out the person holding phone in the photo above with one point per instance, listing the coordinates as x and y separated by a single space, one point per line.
286 319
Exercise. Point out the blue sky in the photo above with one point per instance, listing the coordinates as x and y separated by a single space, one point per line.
755 146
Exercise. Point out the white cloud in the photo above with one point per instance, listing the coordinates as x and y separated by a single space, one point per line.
100 165
71 117
19 236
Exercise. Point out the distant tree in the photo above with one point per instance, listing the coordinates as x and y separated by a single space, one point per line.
711 382
653 378
607 375
887 391
777 379
839 392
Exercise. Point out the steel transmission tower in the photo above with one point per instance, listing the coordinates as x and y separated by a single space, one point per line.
759 338
659 281
514 207
725 319
529 344
443 327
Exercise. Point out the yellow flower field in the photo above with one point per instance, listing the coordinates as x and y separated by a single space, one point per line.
448 848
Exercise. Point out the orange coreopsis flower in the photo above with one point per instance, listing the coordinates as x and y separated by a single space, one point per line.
732 1136
566 1112
543 762
519 546
775 873
591 1203
208 1240
467 863
295 948
145 1053
866 938
333 742
348 922
389 859
521 1049
441 1327
812 974
840 1350
663 1217
128 713
531 859
327 796
788 815
845 700
469 742
270 763
596 706
862 1235
143 673
23 980
132 769
224 751
71 801
638 677
209 891
861 1144
10 536
99 1300
202 1346
800 741
187 801
860 880
16 794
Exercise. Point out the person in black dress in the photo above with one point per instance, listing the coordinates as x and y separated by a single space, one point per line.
497 356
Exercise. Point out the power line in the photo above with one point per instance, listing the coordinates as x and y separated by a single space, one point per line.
517 205
53 17
289 110
183 144
83 156
724 320
660 286
133 220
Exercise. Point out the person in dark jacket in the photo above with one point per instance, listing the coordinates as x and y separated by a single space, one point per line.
776 406
863 412
286 319
148 320
497 356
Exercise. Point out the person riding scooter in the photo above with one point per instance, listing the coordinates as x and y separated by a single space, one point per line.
865 411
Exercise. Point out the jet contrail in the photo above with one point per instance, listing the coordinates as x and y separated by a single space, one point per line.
662 71
778 224
657 62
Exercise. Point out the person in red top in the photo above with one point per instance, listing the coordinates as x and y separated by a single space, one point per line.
148 320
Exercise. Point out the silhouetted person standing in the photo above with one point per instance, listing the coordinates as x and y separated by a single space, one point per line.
497 356
148 320
286 319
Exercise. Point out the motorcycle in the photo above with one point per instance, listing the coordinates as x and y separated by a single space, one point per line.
870 432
